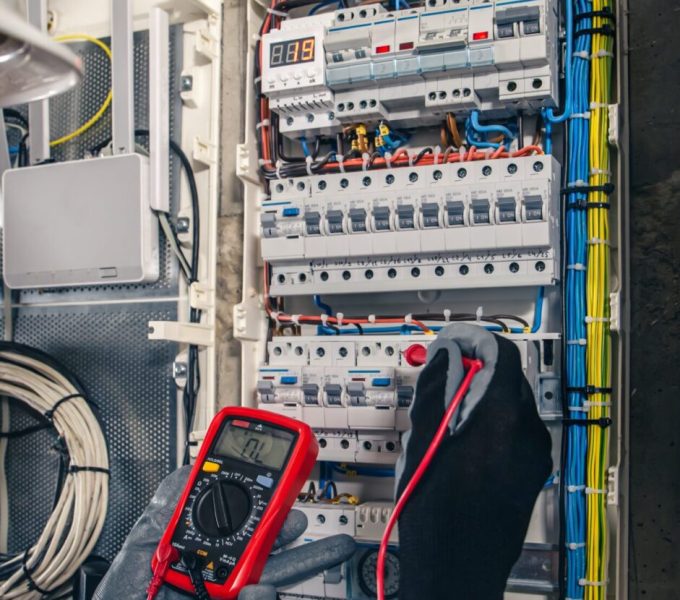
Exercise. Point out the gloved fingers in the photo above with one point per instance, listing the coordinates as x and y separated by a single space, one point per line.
131 569
258 592
302 562
293 527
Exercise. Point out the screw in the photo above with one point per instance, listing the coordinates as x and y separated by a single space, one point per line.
183 225
486 171
179 369
464 270
540 266
512 168
344 444
346 275
439 271
392 273
437 175
415 272
368 274
514 267
186 83
331 116
322 443
389 180
538 166
343 520
488 269
462 173
289 121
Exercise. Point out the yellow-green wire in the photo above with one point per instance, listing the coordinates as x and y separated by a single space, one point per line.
80 37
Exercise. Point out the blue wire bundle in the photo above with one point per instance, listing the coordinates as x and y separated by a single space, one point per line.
575 301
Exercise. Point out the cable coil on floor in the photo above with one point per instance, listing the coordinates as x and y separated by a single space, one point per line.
45 387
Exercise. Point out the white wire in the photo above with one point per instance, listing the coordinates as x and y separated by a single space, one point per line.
74 526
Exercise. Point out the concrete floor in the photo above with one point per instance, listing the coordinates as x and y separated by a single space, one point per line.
655 256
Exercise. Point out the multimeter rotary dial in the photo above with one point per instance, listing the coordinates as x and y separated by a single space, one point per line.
222 509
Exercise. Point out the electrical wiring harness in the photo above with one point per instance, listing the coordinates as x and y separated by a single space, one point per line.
72 530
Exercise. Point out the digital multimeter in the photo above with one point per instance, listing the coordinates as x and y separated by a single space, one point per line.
249 471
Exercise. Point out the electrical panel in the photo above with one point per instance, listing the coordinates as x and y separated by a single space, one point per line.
415 164
366 63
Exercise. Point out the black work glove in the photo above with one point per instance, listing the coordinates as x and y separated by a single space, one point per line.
464 526
130 572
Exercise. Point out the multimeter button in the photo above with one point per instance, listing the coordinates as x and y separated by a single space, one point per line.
222 509
211 467
265 481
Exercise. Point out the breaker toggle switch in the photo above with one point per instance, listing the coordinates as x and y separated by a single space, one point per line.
416 355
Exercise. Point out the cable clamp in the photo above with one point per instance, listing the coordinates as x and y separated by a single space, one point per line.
49 414
309 161
583 115
602 54
597 320
32 585
594 241
575 546
371 319
341 163
575 488
576 267
437 152
585 582
365 159
79 469
581 54
577 342
277 13
447 315
408 319
279 164
263 123
339 317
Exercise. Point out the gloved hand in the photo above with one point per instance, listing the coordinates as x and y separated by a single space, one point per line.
130 572
463 528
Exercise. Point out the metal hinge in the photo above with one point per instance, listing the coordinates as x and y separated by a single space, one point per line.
182 333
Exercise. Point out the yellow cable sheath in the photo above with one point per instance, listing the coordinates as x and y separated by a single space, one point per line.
80 37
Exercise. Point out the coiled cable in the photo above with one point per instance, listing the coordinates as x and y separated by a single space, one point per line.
45 387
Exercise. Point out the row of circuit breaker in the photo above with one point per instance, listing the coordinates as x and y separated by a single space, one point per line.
409 66
355 392
472 224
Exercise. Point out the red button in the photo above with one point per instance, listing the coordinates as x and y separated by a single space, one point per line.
480 35
416 355
382 49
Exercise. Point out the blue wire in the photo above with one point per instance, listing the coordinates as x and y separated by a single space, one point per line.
478 127
365 471
324 4
398 3
305 147
322 305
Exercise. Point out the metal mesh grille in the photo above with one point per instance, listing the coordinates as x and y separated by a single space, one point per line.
70 110
129 378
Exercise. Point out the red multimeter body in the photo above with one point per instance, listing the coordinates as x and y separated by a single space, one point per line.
249 471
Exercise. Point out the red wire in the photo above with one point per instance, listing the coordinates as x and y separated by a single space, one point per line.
472 366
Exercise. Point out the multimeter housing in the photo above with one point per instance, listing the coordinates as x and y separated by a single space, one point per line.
234 504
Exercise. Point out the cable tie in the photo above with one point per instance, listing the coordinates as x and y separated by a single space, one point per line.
257 37
275 316
309 161
479 313
577 342
461 154
579 188
388 159
598 105
603 423
339 317
591 491
581 54
50 413
600 172
263 123
601 54
279 164
605 13
576 267
594 241
590 390
341 163
295 319
277 13
607 30
371 319
578 409
585 582
436 154
365 157
575 546
32 585
575 488
408 319
596 319
78 469
447 315
578 183
583 115
324 319
257 80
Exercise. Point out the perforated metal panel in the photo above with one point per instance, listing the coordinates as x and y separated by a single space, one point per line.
104 341
130 379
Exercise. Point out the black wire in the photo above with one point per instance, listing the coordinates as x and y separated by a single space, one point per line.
16 115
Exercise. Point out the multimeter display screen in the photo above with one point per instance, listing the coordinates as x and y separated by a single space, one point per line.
254 443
